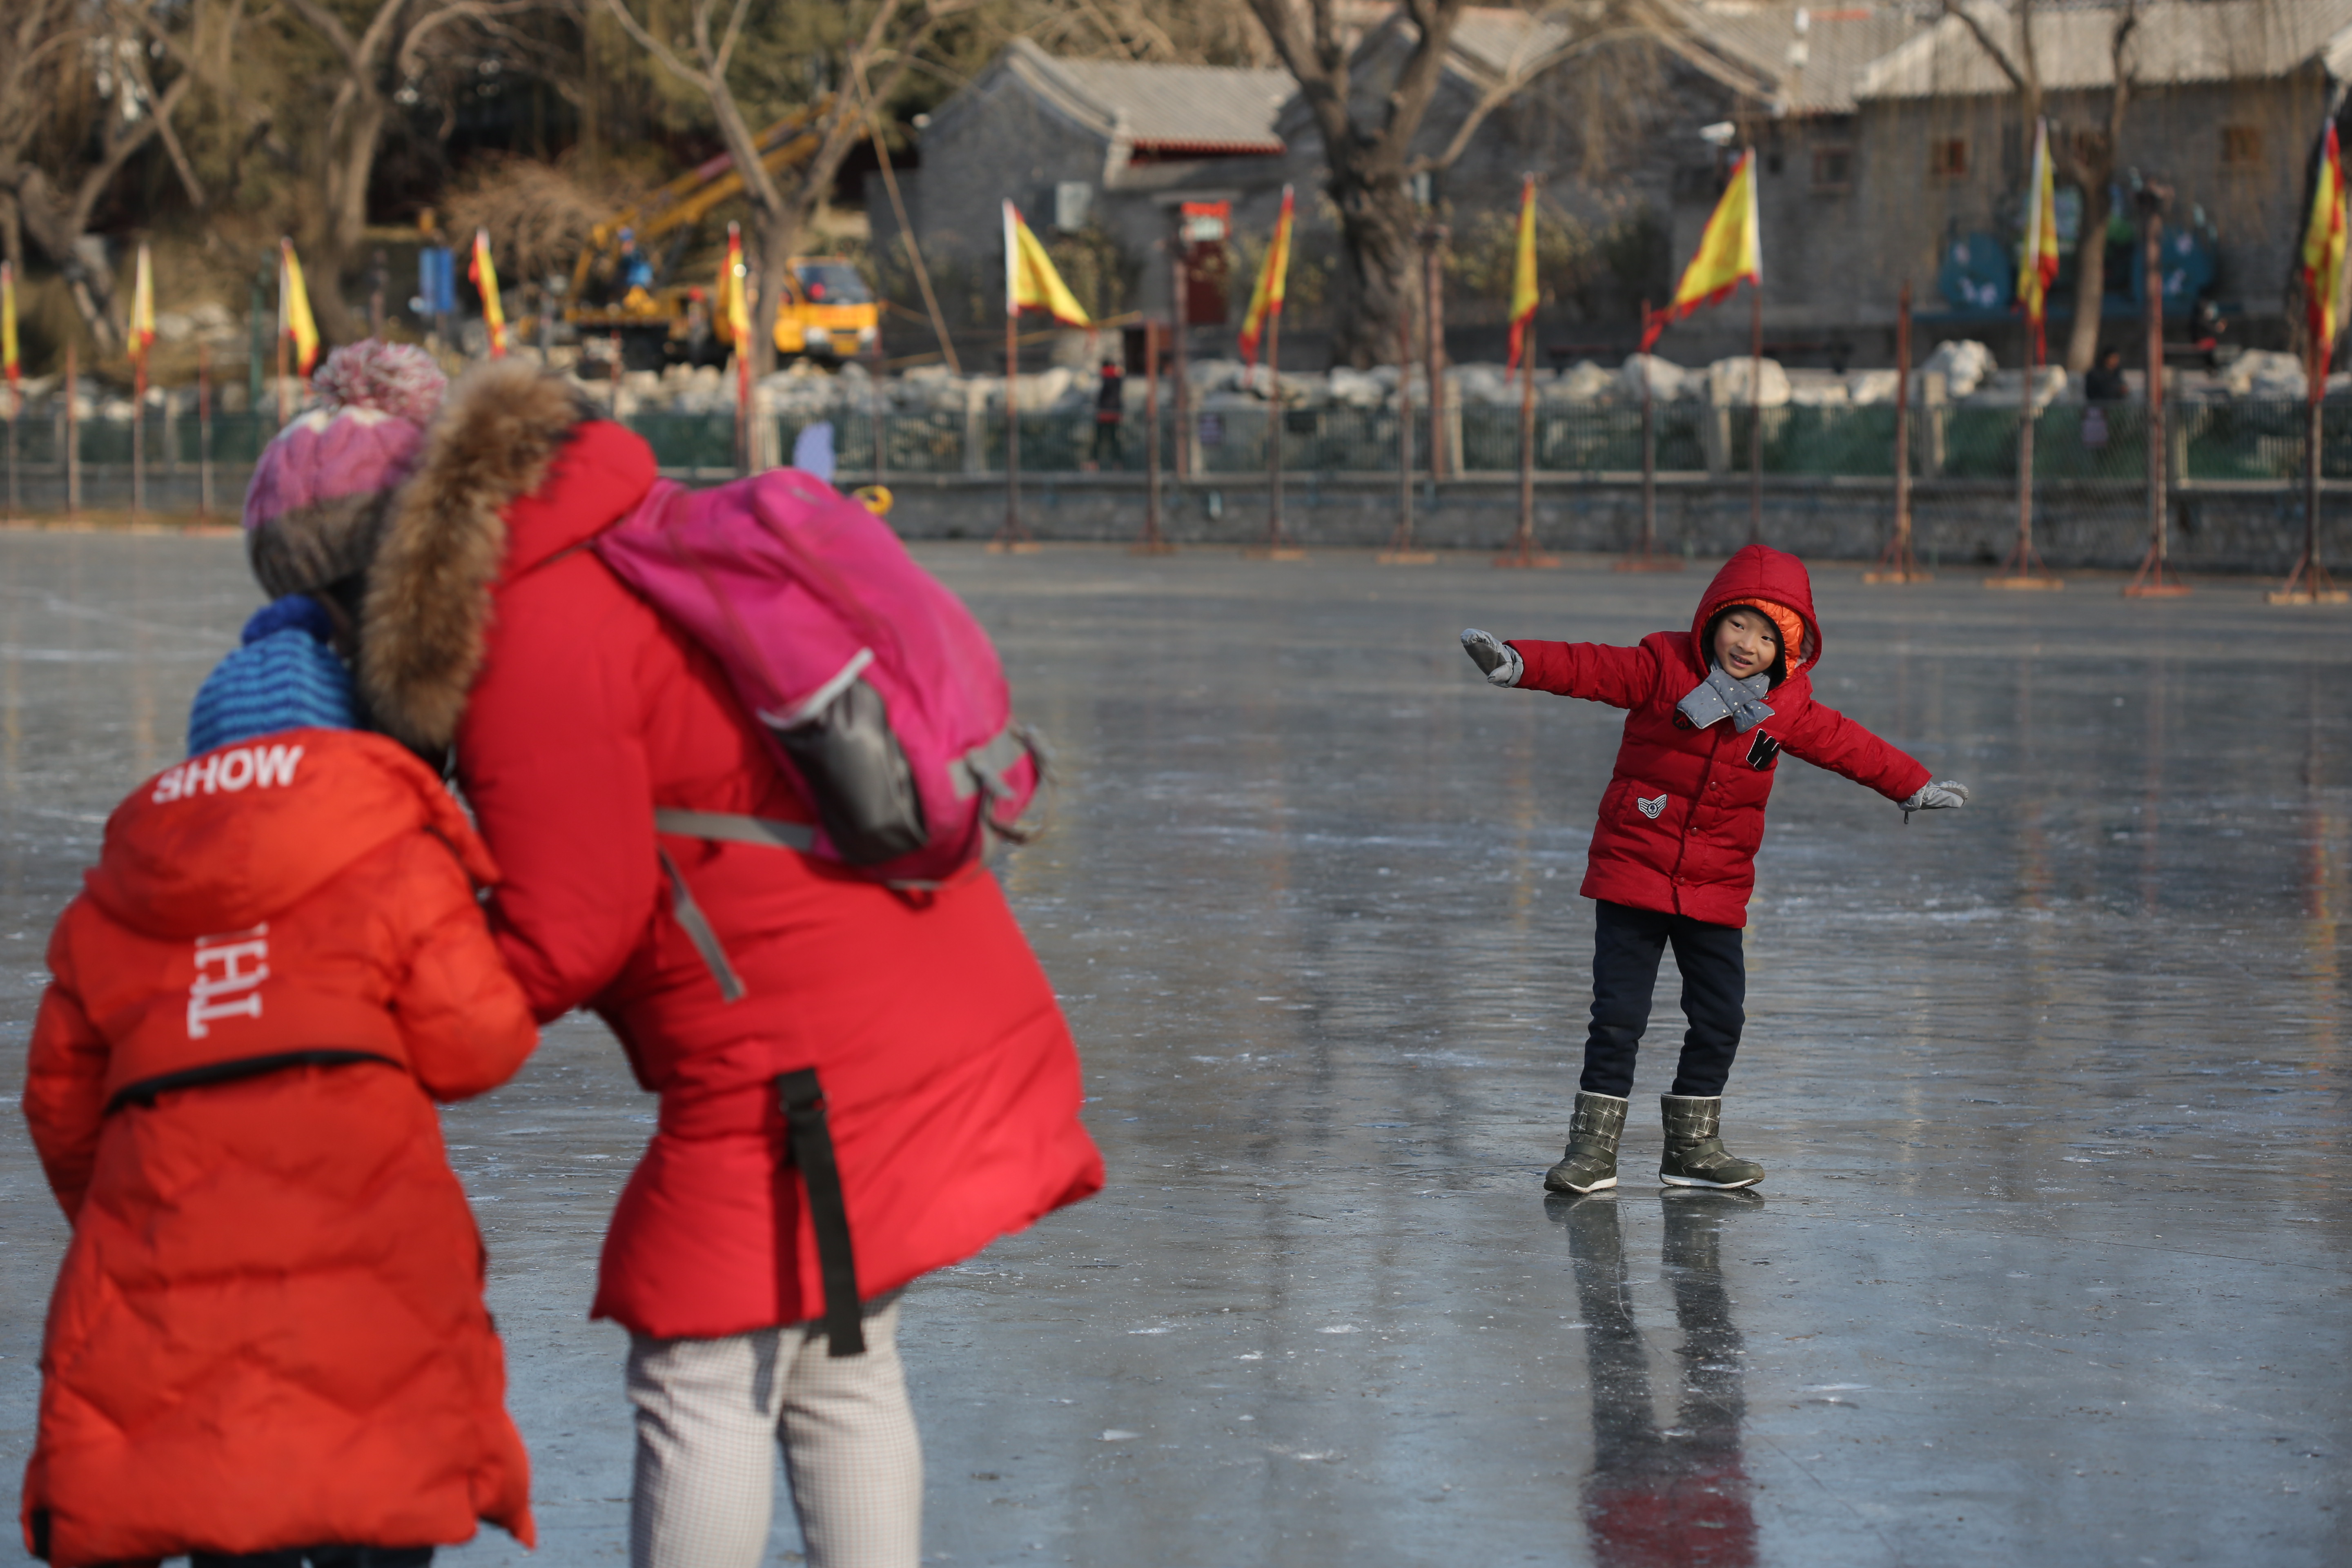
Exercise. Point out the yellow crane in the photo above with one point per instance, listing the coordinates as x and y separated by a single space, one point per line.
826 311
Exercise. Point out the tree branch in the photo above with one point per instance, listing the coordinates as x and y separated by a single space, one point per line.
656 47
1959 11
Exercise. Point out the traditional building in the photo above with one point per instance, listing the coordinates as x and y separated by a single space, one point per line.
1890 147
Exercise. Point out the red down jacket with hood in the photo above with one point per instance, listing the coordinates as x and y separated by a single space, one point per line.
268 1328
1697 856
951 1083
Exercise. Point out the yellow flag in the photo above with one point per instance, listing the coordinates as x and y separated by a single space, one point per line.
2323 255
2037 260
485 276
143 309
1524 292
1729 253
1273 282
8 365
294 309
732 305
1030 281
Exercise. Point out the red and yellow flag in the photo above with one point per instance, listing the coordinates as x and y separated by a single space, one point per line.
485 276
2037 262
1524 292
294 320
1030 281
1273 283
1730 252
142 309
734 305
8 364
2322 257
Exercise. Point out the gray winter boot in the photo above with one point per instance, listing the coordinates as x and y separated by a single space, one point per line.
1590 1163
1695 1155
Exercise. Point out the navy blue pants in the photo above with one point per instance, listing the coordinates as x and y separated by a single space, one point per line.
1627 944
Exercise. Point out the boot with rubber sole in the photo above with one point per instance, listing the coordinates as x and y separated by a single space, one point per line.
1591 1164
1695 1155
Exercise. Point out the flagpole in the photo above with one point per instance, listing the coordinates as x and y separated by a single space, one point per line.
2038 267
1433 269
1400 550
204 430
1755 407
1151 544
1275 549
1898 562
1010 537
1645 557
73 437
1180 380
2155 578
138 432
1649 451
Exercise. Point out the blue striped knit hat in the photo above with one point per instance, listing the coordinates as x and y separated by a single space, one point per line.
286 677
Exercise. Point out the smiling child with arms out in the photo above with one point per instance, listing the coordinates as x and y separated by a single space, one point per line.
1673 858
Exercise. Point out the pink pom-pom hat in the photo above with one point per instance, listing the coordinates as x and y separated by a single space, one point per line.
320 492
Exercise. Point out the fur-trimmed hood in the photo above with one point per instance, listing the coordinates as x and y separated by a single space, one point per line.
427 609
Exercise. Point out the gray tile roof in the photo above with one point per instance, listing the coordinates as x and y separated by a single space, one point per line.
1817 61
2178 41
1200 110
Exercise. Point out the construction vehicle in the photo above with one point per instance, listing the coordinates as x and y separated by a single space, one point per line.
626 282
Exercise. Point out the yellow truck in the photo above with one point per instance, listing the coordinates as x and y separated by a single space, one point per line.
623 282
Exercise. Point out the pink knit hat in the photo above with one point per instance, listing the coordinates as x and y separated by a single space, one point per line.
320 492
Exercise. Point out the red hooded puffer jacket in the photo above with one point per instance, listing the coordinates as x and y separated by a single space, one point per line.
951 1083
268 1329
1697 855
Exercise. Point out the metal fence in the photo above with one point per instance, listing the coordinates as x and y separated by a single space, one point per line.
2238 440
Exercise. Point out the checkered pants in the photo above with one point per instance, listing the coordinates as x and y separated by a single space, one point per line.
710 1413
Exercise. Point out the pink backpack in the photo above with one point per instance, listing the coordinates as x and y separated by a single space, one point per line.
880 696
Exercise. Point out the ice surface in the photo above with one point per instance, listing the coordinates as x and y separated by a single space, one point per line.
1311 905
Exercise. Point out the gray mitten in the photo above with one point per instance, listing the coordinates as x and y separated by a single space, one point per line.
1498 658
1935 796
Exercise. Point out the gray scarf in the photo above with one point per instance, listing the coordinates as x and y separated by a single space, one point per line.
1720 697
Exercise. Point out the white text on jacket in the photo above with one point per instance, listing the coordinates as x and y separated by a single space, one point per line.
231 966
233 770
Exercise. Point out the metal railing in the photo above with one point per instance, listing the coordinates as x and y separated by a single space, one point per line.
2240 440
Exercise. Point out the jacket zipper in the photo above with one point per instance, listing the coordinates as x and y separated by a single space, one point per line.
1682 839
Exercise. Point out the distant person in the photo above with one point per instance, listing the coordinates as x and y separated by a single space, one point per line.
2206 325
268 1340
643 816
813 450
2104 381
1110 408
1674 856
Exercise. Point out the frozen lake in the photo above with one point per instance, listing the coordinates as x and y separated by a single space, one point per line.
2050 1264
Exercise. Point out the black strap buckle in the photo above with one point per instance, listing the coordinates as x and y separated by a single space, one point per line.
802 1103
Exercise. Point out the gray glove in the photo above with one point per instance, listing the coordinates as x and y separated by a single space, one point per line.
1498 658
1948 795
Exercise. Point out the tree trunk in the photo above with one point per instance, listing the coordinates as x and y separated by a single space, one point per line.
1376 231
780 235
2090 273
341 228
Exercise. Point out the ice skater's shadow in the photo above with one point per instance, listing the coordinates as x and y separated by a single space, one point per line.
1677 1496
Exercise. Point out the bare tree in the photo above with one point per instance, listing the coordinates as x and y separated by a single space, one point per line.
782 202
403 43
2082 156
1369 127
74 86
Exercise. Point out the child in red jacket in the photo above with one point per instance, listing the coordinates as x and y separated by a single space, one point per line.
1673 859
268 1340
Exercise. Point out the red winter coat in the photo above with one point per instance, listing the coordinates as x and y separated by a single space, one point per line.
951 1082
1697 855
268 1328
